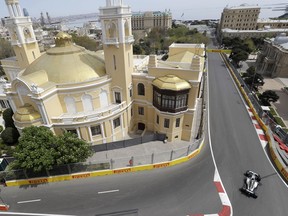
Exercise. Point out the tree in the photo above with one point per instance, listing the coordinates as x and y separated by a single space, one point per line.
10 136
251 70
254 81
239 56
39 149
6 49
267 97
70 149
86 42
7 116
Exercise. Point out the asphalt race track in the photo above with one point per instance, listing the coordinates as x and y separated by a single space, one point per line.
237 148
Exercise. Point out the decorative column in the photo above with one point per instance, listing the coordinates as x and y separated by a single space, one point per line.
103 132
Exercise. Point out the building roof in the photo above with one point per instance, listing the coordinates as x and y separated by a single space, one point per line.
171 82
67 63
181 57
244 6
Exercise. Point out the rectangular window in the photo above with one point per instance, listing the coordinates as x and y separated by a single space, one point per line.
117 97
141 110
95 130
157 119
131 112
131 92
177 122
114 59
166 123
116 122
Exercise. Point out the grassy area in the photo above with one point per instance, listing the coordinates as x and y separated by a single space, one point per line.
279 121
273 111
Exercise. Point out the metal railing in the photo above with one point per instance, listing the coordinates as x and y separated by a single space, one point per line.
267 118
107 164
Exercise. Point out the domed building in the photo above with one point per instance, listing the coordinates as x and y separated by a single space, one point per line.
103 96
272 58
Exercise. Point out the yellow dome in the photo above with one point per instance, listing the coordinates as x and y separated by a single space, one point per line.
26 113
68 63
171 82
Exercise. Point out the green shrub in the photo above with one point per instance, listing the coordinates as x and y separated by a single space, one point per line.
10 135
273 111
7 116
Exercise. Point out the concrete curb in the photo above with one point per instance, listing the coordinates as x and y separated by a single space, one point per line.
4 207
36 181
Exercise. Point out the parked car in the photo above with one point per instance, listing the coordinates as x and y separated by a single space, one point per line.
251 183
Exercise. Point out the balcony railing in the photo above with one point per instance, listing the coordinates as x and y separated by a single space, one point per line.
112 41
129 39
83 117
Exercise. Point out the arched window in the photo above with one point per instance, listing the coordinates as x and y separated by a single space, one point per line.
127 29
103 98
111 30
87 102
70 105
141 89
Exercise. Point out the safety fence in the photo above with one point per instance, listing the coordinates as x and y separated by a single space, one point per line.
129 142
107 164
276 136
266 117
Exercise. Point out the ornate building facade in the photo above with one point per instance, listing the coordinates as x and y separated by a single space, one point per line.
272 60
106 95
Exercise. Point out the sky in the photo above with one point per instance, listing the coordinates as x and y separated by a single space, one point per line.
181 9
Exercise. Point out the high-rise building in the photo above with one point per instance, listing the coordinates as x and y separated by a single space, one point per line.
243 17
243 22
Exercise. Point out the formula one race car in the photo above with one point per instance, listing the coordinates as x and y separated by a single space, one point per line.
251 182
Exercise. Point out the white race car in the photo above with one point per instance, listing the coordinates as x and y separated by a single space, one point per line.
251 182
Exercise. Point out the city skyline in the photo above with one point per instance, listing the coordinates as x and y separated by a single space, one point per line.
186 10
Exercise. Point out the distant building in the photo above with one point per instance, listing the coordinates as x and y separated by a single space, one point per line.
272 60
243 17
272 23
243 22
143 22
151 19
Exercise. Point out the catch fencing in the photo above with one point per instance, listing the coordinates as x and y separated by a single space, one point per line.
267 118
107 164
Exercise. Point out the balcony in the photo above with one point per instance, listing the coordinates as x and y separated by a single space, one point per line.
111 41
129 39
30 40
84 117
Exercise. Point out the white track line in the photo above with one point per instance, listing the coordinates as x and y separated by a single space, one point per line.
29 201
105 192
216 175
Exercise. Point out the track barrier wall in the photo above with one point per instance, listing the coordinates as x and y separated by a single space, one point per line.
269 128
45 180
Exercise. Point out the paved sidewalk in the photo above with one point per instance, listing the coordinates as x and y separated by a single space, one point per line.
275 84
146 153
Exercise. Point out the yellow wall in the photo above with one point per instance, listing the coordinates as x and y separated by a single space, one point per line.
181 73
